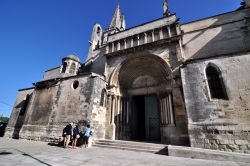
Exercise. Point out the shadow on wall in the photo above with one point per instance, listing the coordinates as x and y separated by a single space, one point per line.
220 35
96 66
23 105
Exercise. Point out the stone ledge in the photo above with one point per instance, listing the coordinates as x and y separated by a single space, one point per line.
198 153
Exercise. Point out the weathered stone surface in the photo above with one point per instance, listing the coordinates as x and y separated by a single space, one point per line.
241 142
197 153
51 108
161 60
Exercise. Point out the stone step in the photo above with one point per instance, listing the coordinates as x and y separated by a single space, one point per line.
122 142
132 146
156 149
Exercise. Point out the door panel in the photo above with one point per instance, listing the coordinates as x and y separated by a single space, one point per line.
152 118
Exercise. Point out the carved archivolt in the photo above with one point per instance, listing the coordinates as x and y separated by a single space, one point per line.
140 72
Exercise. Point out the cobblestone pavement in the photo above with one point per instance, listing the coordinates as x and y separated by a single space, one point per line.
24 152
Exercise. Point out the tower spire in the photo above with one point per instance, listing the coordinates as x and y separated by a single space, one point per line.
165 8
118 20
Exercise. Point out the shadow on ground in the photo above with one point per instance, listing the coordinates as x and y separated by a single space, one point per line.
163 151
5 153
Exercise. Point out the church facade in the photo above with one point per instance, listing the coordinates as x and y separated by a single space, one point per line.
162 81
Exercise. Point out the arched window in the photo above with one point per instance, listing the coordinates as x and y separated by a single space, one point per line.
215 83
64 67
72 68
98 30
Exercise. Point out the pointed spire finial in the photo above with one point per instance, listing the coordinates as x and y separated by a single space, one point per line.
165 8
118 20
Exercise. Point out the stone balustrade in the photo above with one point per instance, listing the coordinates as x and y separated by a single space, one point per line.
142 35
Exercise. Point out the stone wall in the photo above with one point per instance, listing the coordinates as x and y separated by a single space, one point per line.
218 35
16 120
216 123
53 73
98 110
54 106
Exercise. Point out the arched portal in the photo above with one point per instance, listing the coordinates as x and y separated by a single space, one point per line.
140 98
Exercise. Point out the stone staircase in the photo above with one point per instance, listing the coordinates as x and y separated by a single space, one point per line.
132 146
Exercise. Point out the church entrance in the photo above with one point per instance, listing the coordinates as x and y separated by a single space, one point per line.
143 102
145 124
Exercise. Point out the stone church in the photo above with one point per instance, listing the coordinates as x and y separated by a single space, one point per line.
161 81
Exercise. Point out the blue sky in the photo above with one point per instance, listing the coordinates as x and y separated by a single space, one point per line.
36 34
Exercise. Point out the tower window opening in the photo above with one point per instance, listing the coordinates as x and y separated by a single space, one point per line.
64 67
98 31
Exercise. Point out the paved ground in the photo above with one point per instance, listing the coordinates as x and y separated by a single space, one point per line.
23 152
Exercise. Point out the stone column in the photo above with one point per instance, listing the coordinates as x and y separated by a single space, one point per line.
138 40
118 109
132 42
123 111
171 113
161 110
118 46
161 34
178 29
109 105
68 67
166 108
107 49
153 36
169 32
145 38
125 43
167 112
113 109
113 47
127 110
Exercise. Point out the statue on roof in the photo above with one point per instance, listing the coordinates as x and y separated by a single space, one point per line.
165 8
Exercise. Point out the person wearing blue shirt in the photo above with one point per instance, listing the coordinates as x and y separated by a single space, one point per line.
76 135
86 134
